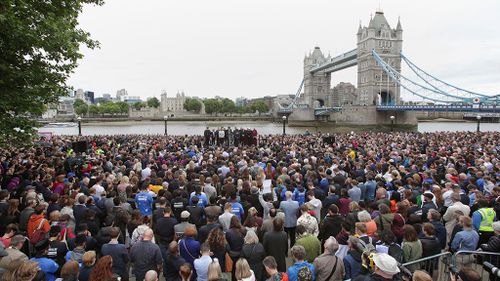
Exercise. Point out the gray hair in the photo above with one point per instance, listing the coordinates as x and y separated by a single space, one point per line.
364 216
331 244
288 194
251 237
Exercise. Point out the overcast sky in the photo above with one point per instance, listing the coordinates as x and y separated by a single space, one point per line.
254 48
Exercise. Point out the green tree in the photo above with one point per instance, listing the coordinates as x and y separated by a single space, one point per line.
153 102
78 102
259 106
228 106
123 107
82 109
40 47
94 110
138 105
192 105
213 106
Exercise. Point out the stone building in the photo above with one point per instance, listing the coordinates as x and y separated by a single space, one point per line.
173 104
344 94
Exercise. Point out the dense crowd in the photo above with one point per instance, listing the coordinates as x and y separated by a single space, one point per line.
344 207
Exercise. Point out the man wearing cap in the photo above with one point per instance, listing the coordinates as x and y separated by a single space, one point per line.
179 228
48 266
385 268
15 256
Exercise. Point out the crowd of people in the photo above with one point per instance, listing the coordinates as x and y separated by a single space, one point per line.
292 207
230 137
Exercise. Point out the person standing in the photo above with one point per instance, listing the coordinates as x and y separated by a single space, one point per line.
276 244
467 239
48 266
144 201
290 208
165 227
201 264
173 262
450 216
145 256
328 266
225 218
310 243
254 253
482 220
412 246
385 269
300 267
118 252
272 270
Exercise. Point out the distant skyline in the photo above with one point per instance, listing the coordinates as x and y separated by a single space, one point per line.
256 48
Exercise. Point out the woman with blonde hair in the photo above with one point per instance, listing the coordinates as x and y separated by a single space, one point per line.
254 253
26 271
214 271
243 271
122 187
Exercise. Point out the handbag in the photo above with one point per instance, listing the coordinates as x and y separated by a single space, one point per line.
228 262
38 234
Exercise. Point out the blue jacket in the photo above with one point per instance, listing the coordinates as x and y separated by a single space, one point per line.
48 266
440 233
299 196
465 240
352 266
290 209
294 270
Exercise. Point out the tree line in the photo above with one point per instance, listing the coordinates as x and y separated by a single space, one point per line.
215 106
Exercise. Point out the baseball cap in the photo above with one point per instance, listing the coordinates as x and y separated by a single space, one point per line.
386 263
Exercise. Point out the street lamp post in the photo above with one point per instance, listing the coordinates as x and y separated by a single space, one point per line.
284 122
392 117
165 118
478 123
79 125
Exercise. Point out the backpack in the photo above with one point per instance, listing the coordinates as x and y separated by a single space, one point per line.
304 274
39 233
367 247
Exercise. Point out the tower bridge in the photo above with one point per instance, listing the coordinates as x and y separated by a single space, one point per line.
378 57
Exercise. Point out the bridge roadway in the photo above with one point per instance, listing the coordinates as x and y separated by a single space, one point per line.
443 108
337 63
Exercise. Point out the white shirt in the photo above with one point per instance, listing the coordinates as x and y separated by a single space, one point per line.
98 189
145 173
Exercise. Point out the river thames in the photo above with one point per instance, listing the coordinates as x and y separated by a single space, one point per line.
197 128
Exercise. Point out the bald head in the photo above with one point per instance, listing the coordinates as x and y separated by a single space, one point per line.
151 276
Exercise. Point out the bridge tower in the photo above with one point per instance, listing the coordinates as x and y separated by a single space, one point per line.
316 85
374 87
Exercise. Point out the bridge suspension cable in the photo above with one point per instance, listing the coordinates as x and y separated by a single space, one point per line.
297 96
444 87
413 87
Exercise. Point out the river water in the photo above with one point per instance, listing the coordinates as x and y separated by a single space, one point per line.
193 127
